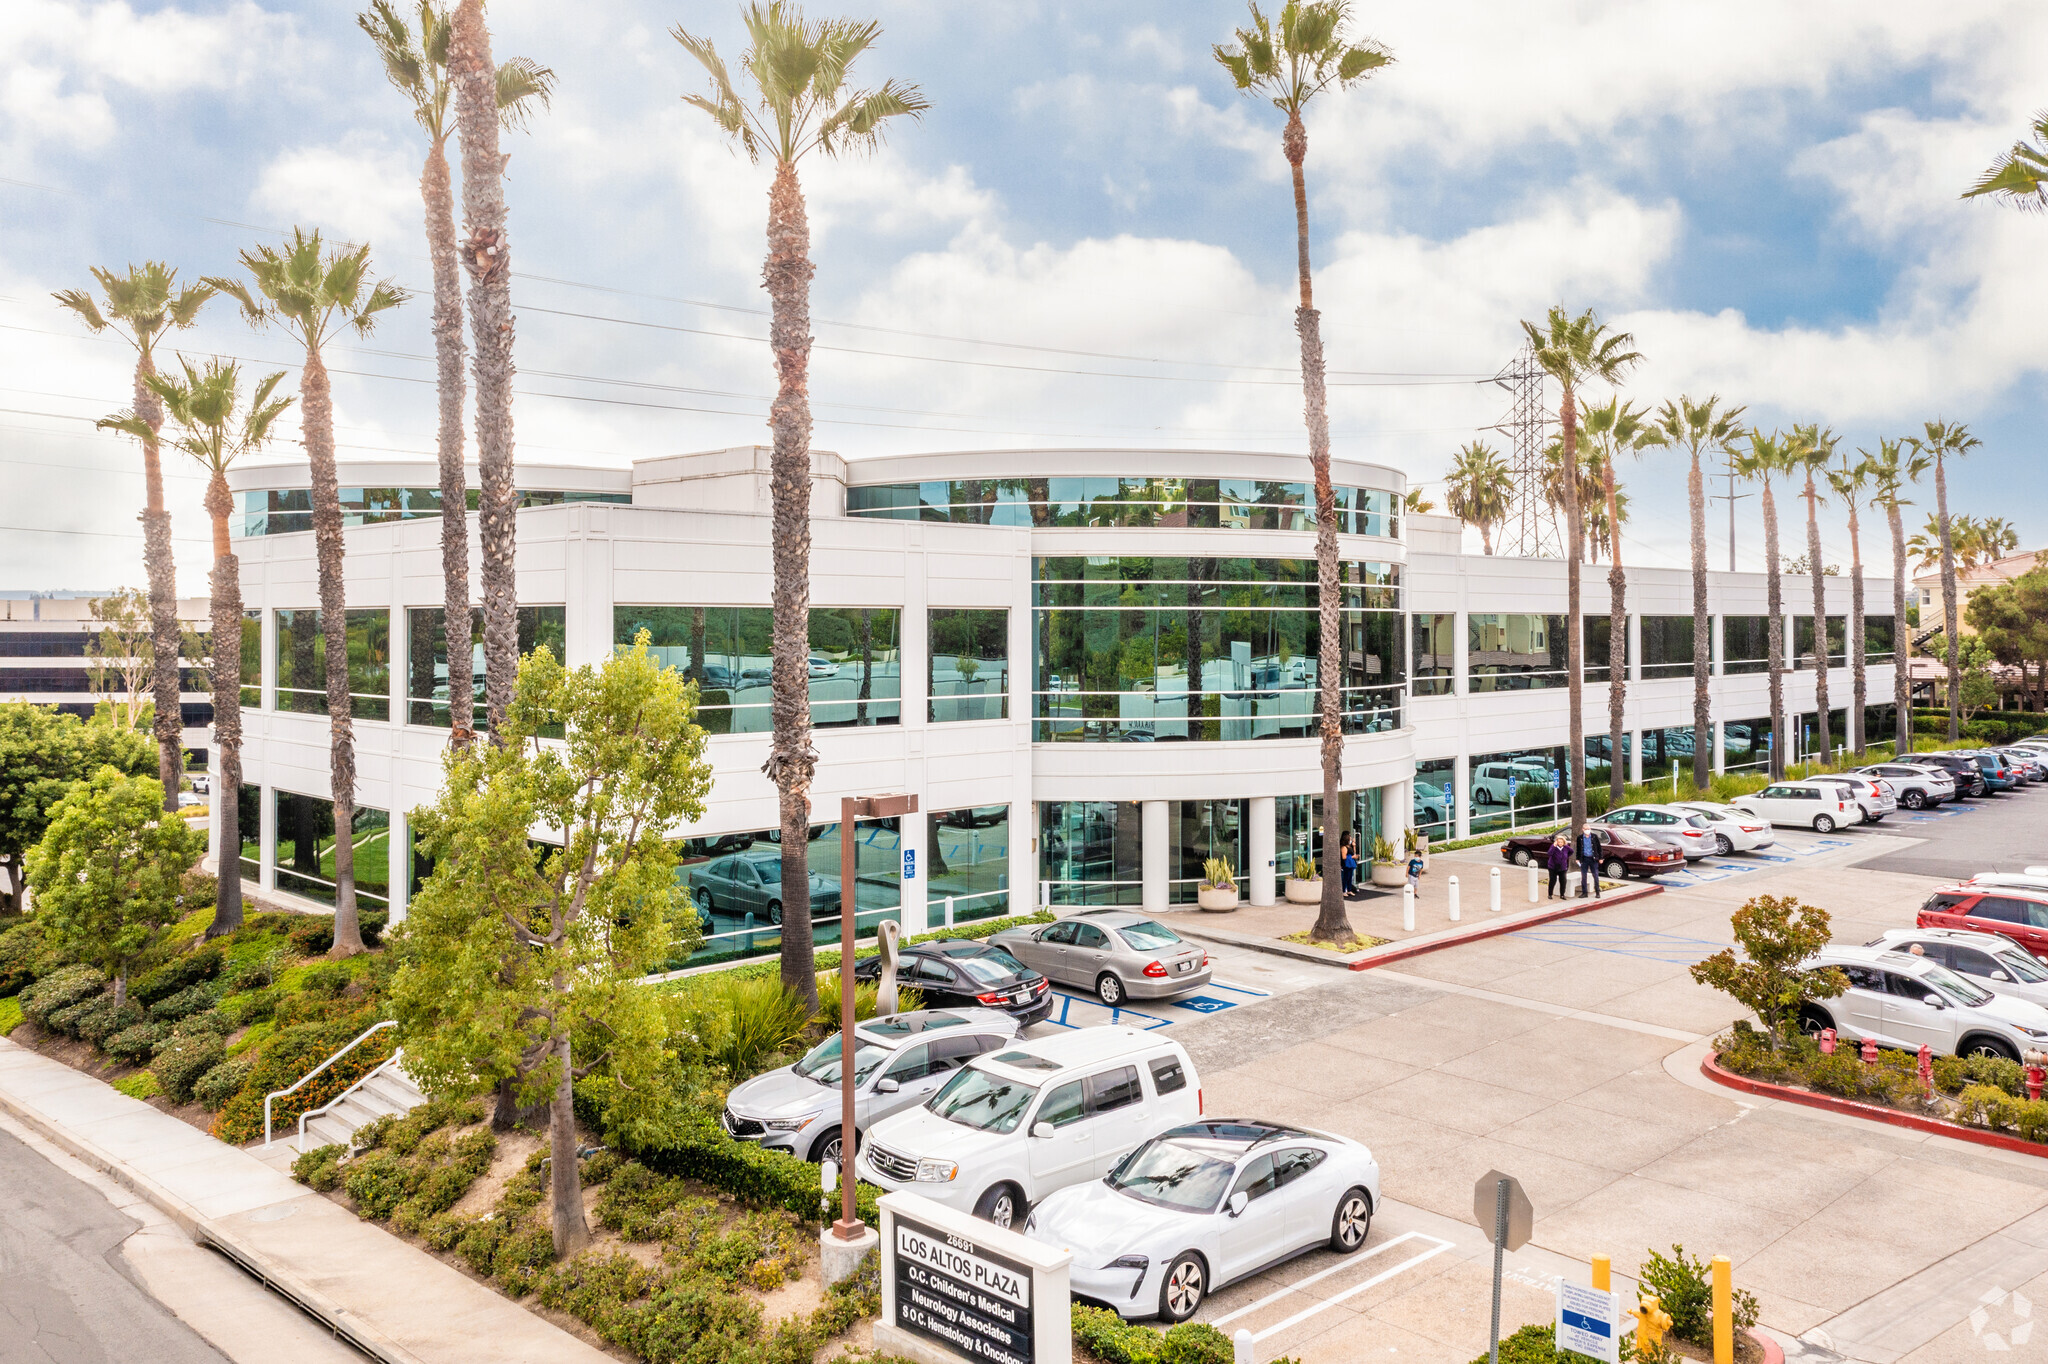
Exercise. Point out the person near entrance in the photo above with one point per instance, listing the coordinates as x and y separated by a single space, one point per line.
1589 864
1558 857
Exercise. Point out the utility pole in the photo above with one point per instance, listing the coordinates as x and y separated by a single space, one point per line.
1529 530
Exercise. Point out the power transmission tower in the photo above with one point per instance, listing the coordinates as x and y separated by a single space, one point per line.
1530 530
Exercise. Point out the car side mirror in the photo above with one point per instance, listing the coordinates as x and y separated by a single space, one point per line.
1043 1130
1237 1202
885 1085
1935 1000
2000 975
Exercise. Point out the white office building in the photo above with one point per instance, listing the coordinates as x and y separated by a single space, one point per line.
1096 669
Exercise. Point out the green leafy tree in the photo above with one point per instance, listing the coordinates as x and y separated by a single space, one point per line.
1697 428
2011 619
43 754
1291 63
1776 933
798 102
107 871
513 965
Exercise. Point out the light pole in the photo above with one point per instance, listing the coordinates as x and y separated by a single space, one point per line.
853 809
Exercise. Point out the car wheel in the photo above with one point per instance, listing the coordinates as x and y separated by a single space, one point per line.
1873 819
1823 824
1109 989
826 1147
1814 1021
1352 1221
1914 800
1000 1205
1522 857
775 911
1614 870
1989 1046
1180 1292
1723 845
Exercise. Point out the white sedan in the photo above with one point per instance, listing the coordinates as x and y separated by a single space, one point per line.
1205 1204
1734 830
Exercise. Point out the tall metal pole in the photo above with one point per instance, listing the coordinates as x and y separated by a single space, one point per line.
1500 1242
848 1226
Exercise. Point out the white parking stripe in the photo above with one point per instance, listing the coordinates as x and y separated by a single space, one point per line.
1436 1247
1375 1281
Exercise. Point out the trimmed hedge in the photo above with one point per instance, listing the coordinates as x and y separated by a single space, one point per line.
758 1177
137 1044
217 1086
180 1062
179 974
193 999
1113 1340
60 990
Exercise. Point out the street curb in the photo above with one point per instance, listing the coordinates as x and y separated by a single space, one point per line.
1855 1108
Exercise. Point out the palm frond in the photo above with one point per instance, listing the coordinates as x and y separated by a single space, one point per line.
128 424
523 83
81 303
724 104
857 124
255 313
2020 176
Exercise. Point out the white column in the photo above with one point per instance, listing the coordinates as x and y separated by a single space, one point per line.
400 860
587 589
1461 784
1720 728
1717 645
1633 633
1397 807
1461 653
1260 866
1635 755
1154 834
266 823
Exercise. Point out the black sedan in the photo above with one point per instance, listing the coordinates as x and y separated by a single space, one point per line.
964 974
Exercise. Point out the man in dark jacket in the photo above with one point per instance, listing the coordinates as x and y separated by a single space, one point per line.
1558 858
1589 864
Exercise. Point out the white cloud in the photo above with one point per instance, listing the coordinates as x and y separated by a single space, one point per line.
362 190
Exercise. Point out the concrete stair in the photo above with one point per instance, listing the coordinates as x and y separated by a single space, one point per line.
386 1091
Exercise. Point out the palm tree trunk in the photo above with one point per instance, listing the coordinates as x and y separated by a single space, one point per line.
1948 604
226 677
1902 683
1702 639
792 762
1574 622
488 256
1857 682
1821 656
1775 604
1617 639
1485 537
449 386
158 563
1332 924
316 406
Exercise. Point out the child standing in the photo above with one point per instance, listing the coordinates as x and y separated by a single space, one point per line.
1415 872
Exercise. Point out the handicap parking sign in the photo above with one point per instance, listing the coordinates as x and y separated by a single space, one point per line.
1203 1004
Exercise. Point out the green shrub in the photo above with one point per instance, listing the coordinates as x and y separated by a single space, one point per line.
328 978
253 973
21 949
379 1181
744 1024
523 1256
312 936
182 1060
2009 1076
1684 1286
251 1006
136 1045
212 1021
695 1318
59 990
1115 1341
445 1233
10 1013
140 1085
180 973
1987 1106
696 1147
184 1003
590 1284
320 1168
217 1086
97 1019
1950 1074
286 1058
370 923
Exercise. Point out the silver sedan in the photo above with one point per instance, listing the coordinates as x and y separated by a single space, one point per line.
1118 953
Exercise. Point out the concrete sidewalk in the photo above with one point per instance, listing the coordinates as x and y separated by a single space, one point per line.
391 1300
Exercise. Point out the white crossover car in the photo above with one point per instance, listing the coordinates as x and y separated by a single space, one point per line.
1997 963
1900 1000
1733 830
1204 1205
1811 805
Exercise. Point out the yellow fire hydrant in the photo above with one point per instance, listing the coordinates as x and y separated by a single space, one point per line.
1652 1321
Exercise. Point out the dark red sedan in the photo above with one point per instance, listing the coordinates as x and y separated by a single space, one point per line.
1624 852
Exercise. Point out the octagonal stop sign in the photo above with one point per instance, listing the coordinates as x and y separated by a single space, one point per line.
1485 1209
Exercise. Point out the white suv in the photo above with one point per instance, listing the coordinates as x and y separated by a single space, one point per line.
1900 1000
1875 796
1809 804
1919 786
1013 1126
1997 963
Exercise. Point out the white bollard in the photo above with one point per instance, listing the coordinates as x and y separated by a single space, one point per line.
1454 899
1494 898
1241 1348
1533 892
1408 909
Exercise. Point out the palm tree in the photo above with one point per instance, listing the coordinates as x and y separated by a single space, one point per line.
801 103
1896 464
1764 460
1848 481
311 295
1998 537
1478 488
1945 441
1613 429
1576 351
2020 175
139 305
1697 428
1309 53
203 403
1592 534
1810 451
1417 502
419 68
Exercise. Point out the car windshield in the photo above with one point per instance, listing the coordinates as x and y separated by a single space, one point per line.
1172 1175
2020 966
980 1099
1955 987
769 868
1145 935
990 968
821 1063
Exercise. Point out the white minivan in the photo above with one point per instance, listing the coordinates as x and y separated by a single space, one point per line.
1819 806
1014 1125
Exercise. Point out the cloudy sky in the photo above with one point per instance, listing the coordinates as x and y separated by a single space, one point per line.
1087 241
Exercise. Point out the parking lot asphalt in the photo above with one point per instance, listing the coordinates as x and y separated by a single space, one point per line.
1568 1055
2006 832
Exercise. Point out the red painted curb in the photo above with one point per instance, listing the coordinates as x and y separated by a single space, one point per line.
1856 1108
1490 930
1774 1353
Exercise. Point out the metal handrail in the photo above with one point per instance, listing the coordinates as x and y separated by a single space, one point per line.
280 1093
393 1059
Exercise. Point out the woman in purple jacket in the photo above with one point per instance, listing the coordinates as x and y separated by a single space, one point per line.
1558 857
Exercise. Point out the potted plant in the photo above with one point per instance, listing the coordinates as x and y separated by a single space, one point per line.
1387 872
1218 890
1305 887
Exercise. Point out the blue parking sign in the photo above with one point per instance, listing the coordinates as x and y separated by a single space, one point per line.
910 864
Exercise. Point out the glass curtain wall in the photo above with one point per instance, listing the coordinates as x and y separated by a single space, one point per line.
1746 744
856 661
1436 799
735 882
1091 851
968 853
1879 724
305 850
426 685
300 663
1200 830
1432 654
1802 641
1666 751
1745 644
1229 503
1877 639
1521 786
282 511
1667 646
1520 652
1138 650
1807 734
967 665
252 661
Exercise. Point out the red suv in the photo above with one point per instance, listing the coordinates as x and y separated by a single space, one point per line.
2013 912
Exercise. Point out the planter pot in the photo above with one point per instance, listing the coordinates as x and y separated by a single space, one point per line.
1300 892
1218 899
1391 875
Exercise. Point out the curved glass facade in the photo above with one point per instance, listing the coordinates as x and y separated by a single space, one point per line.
1138 648
281 511
1202 503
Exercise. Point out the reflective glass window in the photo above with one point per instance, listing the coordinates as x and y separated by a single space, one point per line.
426 686
305 850
854 667
967 859
967 662
301 662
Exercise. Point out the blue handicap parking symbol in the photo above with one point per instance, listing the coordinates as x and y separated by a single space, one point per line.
1203 1004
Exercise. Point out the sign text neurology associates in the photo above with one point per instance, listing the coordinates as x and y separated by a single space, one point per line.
950 1291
